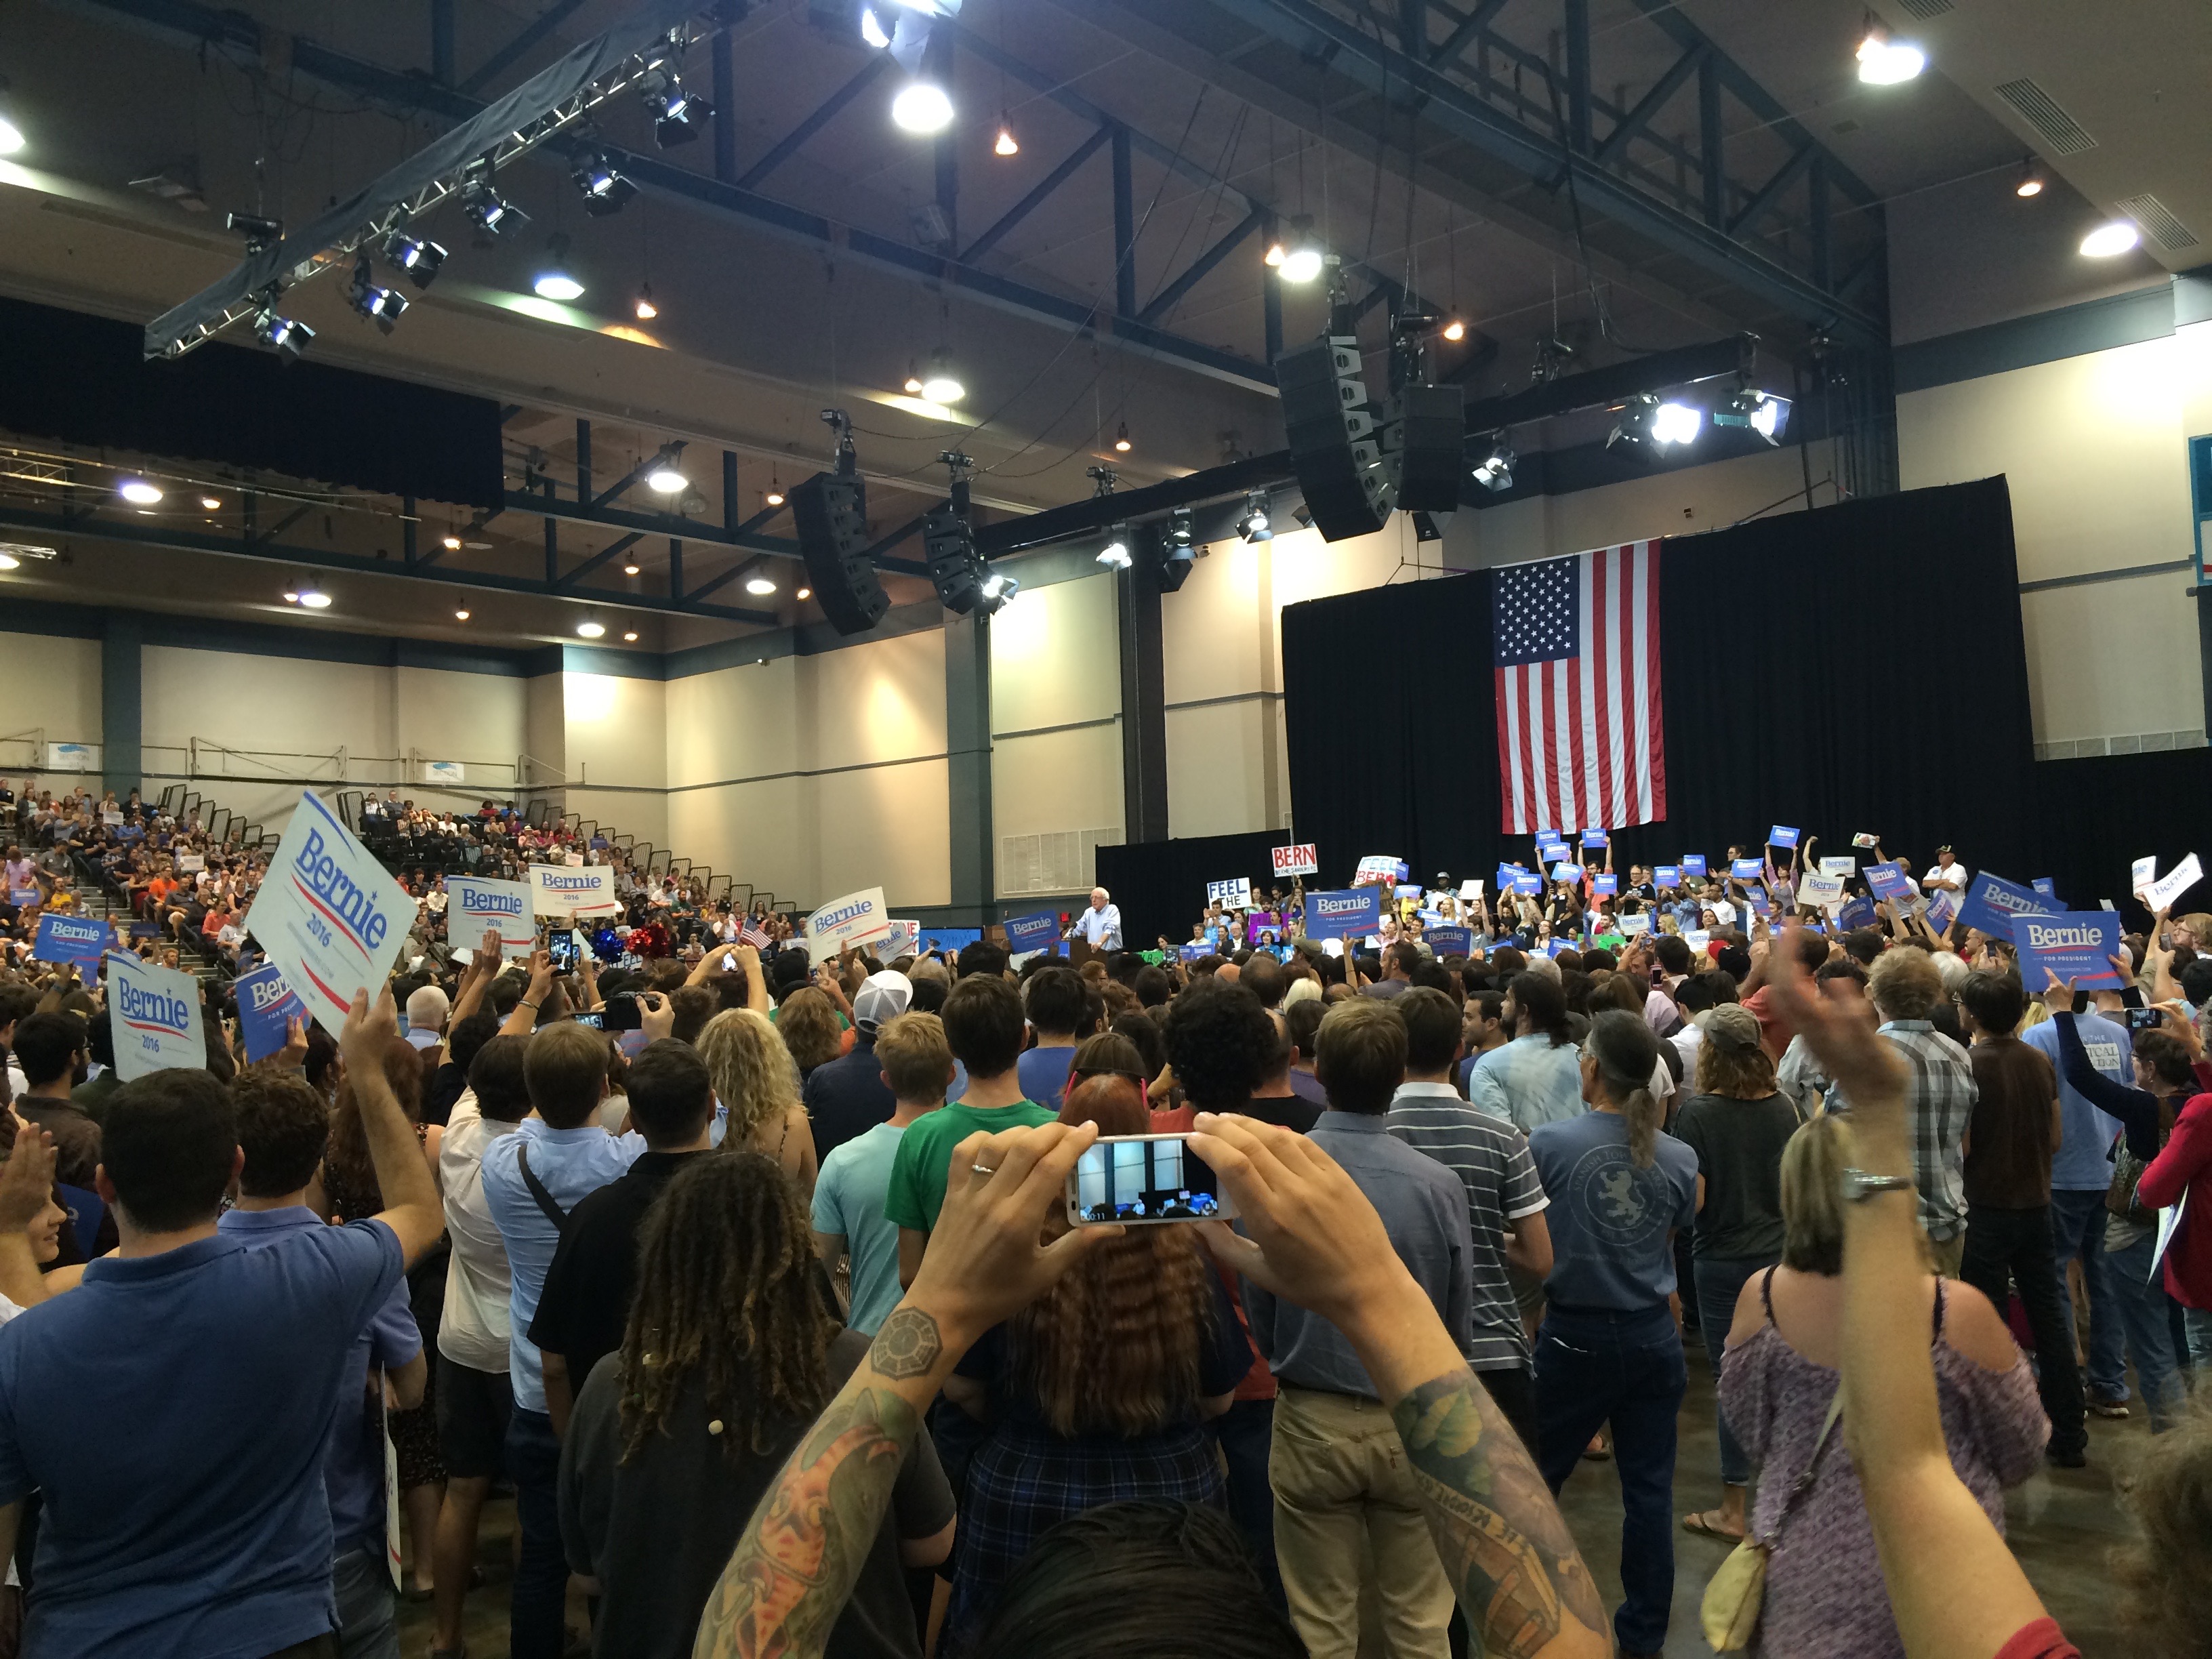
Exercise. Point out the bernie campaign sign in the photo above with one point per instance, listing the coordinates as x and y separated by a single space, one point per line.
1992 904
559 891
1452 941
328 914
157 1019
80 939
1354 913
858 918
2076 945
1038 932
1693 864
265 1003
476 904
1889 883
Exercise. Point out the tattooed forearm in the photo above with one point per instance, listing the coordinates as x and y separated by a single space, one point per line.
1503 1542
793 1570
907 1344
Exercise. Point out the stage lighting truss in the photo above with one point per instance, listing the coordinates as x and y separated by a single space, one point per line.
403 195
1495 470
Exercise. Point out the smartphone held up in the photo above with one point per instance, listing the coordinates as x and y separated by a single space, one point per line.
1143 1181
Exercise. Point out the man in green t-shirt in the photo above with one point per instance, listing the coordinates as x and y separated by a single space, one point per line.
983 1024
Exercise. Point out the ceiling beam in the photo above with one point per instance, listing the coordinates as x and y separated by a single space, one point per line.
606 555
556 13
789 144
1028 203
1616 142
668 524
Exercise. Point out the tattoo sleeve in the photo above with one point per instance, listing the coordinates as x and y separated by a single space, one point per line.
801 1554
1503 1544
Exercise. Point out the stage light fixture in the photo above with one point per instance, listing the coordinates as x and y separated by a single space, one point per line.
999 591
665 478
555 281
1768 416
416 255
1494 471
1179 536
1256 524
1115 555
1455 330
604 190
872 31
643 306
382 305
590 630
1425 527
1302 258
759 587
287 339
491 213
139 492
1677 423
1006 143
922 106
2030 180
211 503
2107 241
677 117
1886 62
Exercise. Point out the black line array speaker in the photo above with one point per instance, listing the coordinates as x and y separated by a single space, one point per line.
1334 448
955 567
1431 447
831 511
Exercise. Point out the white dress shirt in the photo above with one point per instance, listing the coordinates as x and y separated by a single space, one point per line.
1101 929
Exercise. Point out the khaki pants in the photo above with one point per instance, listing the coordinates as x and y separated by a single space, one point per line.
1948 1254
1345 1502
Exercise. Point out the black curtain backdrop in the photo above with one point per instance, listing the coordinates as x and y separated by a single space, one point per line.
1806 680
85 380
1161 885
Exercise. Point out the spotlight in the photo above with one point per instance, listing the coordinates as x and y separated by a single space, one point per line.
554 283
1677 423
939 385
872 31
1115 555
1494 471
287 339
775 495
211 503
646 310
460 616
604 190
1177 555
314 599
1767 416
1302 258
676 116
759 587
1006 143
631 636
1884 62
382 305
999 593
803 593
2107 241
1256 525
139 492
1179 536
1121 439
260 233
451 543
418 257
11 137
590 630
492 214
1455 330
922 106
2030 179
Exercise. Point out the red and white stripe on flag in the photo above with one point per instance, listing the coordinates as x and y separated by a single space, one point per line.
1576 660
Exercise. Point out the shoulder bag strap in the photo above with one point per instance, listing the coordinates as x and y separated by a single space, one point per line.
554 1213
1803 1484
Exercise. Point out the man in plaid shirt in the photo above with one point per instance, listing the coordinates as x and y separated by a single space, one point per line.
1939 1094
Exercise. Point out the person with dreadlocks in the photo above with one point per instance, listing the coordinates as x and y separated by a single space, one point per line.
1096 1391
729 1354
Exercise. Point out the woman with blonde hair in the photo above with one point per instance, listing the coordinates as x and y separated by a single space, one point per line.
1824 1595
757 1085
1099 1392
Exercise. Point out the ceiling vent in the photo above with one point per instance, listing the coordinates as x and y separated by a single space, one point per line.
1924 10
2060 131
2156 221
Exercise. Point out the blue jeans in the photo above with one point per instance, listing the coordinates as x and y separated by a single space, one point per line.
2197 1321
1593 1367
368 1613
1247 1433
538 1602
2077 1227
1720 1280
2142 1307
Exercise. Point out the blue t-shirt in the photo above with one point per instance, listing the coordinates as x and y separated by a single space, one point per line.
353 1467
1043 1073
173 1411
2084 1161
1609 1219
848 1199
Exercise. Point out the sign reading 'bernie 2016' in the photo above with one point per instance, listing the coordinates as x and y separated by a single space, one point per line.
563 890
328 915
858 918
476 904
157 1019
1355 911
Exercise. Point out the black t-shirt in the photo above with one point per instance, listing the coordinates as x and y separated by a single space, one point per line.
1290 1111
447 1085
846 1096
588 1288
1738 1146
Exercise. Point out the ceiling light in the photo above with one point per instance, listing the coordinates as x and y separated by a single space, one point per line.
940 386
9 561
774 496
913 386
287 339
1276 252
419 257
922 106
1256 525
631 636
664 478
382 305
590 630
603 189
292 598
1677 423
139 492
2107 241
1768 416
1006 143
460 616
210 503
630 569
2030 179
1121 439
314 599
1455 330
1302 258
872 31
1884 62
644 307
759 587
11 137
451 543
554 282
803 593
1494 471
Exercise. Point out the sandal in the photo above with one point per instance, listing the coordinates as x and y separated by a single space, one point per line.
1701 1524
1597 1451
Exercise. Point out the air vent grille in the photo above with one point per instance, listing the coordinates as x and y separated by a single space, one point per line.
2156 221
1924 10
2041 110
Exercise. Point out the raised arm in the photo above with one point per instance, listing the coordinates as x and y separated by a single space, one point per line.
410 1198
484 968
523 1020
2137 1108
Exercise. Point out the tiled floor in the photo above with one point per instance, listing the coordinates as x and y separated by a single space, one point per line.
2062 1525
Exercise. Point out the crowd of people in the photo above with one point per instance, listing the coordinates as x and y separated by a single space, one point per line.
759 1280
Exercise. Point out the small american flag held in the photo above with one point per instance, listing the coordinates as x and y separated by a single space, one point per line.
751 933
1576 658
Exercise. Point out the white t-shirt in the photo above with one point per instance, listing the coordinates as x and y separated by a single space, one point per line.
1953 878
477 1324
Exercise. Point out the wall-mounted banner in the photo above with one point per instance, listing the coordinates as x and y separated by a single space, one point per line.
1889 883
2074 944
1040 931
328 915
856 918
558 891
444 772
1693 864
1782 835
2161 893
1354 913
1451 941
474 904
157 1018
1992 903
72 757
264 1004
1235 894
1301 860
80 939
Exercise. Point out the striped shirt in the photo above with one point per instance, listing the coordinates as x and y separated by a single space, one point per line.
1491 1160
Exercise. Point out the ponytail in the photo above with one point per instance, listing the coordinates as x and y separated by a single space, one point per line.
1642 1110
1628 1054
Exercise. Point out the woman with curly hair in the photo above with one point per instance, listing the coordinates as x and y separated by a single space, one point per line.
810 1028
728 1355
1097 1392
757 1084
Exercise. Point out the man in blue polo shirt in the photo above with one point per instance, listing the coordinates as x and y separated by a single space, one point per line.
174 1410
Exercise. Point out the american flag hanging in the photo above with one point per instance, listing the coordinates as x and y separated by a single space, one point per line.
1577 640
